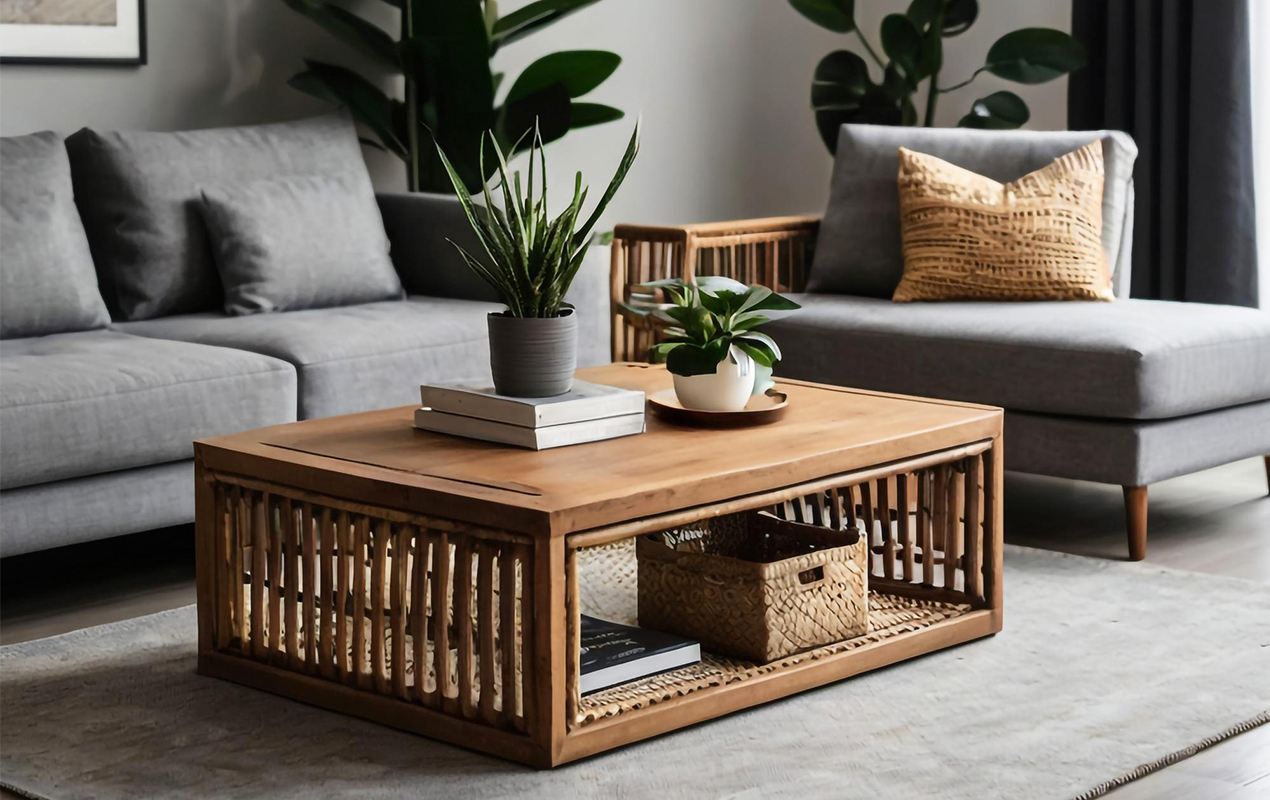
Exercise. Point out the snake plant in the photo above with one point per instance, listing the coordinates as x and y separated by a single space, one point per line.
532 258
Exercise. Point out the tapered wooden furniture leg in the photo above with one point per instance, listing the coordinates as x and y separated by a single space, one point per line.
1268 474
1135 511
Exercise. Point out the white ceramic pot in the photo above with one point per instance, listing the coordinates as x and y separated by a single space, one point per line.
728 389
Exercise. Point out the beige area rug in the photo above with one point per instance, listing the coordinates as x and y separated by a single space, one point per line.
1105 671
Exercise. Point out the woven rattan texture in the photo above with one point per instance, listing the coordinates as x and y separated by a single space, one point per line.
751 586
967 237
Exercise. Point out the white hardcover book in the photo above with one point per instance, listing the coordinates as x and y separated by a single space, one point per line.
532 438
584 402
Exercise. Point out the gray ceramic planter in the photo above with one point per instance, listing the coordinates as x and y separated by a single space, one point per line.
533 357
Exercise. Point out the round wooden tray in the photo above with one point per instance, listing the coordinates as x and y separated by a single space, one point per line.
762 409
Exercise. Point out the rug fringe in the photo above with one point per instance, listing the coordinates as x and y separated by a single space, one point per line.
1173 758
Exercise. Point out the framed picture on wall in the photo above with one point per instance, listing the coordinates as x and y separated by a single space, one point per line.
88 32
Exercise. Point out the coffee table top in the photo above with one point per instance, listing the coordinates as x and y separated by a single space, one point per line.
379 457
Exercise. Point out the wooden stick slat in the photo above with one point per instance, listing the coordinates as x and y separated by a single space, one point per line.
463 623
377 588
310 586
973 577
325 591
848 503
835 510
952 515
275 580
358 562
225 578
291 578
258 548
904 524
866 509
924 527
419 618
573 638
397 609
441 614
884 515
939 513
344 547
507 622
242 546
485 628
527 629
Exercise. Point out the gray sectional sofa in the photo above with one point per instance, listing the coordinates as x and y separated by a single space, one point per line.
103 392
1130 392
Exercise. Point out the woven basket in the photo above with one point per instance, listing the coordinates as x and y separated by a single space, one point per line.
754 586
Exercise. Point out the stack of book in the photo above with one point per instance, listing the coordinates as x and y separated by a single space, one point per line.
588 413
614 654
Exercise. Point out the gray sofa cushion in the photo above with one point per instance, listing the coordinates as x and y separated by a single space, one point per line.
138 193
96 507
47 282
1133 359
299 242
354 358
76 404
858 247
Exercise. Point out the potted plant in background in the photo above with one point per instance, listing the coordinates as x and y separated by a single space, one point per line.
912 52
712 347
532 261
443 53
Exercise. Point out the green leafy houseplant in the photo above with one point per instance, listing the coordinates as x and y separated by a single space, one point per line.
843 91
708 318
443 52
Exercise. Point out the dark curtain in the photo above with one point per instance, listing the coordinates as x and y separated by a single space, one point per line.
1175 74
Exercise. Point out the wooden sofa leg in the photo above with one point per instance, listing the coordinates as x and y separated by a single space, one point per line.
1135 512
1268 474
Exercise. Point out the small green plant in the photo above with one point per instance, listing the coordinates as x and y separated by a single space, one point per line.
708 318
533 259
912 52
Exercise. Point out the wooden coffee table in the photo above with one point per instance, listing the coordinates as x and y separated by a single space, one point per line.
338 557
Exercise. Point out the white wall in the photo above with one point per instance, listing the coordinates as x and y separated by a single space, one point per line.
722 86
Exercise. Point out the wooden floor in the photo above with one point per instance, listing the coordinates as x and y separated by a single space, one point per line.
1217 522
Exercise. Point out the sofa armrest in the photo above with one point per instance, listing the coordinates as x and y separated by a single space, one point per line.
774 252
418 225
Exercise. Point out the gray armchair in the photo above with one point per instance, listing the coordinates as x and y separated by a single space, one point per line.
1130 392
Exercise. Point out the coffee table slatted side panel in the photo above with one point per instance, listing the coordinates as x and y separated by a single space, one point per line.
427 611
932 546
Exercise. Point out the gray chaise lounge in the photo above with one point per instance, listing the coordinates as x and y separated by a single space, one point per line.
97 417
1130 392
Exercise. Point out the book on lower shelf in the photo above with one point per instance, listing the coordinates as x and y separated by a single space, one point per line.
583 403
614 654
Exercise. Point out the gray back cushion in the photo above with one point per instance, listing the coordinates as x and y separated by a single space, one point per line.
292 243
47 282
858 247
140 192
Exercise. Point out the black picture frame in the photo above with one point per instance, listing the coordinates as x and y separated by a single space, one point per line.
139 60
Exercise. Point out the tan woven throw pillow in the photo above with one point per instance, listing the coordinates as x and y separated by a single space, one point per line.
967 237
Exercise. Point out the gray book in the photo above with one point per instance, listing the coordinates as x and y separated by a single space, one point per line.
585 402
533 438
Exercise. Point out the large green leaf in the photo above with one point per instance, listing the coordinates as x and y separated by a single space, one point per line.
694 359
579 71
902 43
959 15
549 106
363 99
836 15
582 115
841 80
1035 55
351 29
524 21
999 110
628 158
923 12
454 78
